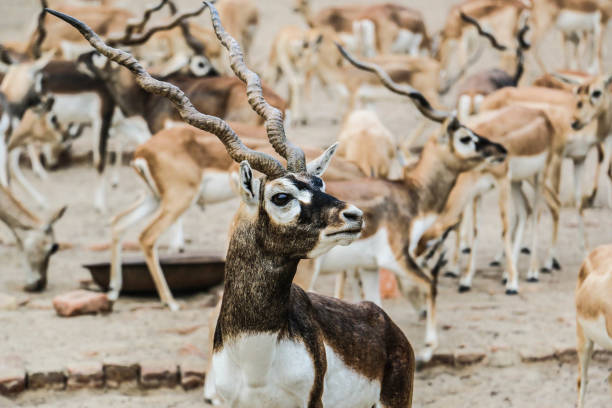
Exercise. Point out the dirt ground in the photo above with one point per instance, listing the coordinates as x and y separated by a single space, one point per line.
536 323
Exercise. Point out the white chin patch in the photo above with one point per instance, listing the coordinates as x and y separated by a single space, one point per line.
328 242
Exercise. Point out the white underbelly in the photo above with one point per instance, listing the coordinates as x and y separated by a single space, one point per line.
216 187
522 167
260 371
570 21
83 107
595 329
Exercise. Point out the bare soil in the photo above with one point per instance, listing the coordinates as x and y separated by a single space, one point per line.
536 323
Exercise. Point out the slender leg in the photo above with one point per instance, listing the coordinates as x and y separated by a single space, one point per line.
117 165
466 280
554 206
504 196
340 283
3 162
533 273
520 209
142 208
22 180
100 193
578 179
452 269
370 281
585 351
177 240
171 208
37 167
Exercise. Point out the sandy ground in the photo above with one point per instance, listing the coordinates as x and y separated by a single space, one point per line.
536 323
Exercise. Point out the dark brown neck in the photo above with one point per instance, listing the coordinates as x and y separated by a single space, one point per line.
257 287
433 179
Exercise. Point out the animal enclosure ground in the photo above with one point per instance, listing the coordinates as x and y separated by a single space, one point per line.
536 324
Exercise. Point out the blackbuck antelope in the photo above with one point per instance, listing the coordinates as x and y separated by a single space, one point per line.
34 236
476 86
182 166
370 29
397 213
576 20
458 37
593 312
288 348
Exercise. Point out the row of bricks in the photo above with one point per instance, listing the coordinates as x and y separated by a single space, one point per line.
147 375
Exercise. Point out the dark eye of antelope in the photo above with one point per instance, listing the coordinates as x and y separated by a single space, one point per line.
465 140
596 94
281 199
579 105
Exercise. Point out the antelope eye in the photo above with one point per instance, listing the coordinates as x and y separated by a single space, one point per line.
579 105
465 139
281 199
596 94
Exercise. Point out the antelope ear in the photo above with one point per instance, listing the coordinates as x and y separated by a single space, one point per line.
318 166
57 215
565 79
44 59
248 185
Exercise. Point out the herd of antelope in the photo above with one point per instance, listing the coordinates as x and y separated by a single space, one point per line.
209 130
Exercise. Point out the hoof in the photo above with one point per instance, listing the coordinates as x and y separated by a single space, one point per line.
420 365
504 281
545 270
532 280
451 274
556 265
466 250
511 292
525 250
495 263
37 286
464 288
423 315
173 306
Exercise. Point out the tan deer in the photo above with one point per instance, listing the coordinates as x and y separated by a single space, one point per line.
593 312
289 348
370 29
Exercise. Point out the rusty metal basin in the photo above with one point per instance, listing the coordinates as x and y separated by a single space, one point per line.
187 272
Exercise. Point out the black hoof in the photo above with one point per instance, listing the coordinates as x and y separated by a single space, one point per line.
545 270
37 286
525 250
504 281
495 263
511 292
556 265
532 280
420 365
423 315
450 274
464 288
466 250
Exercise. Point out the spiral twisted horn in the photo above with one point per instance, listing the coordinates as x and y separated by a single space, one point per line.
217 126
296 161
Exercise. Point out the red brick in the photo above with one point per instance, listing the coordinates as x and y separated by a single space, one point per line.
50 380
85 374
156 374
12 375
193 373
117 373
81 302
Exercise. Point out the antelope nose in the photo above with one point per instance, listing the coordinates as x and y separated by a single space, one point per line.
352 214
